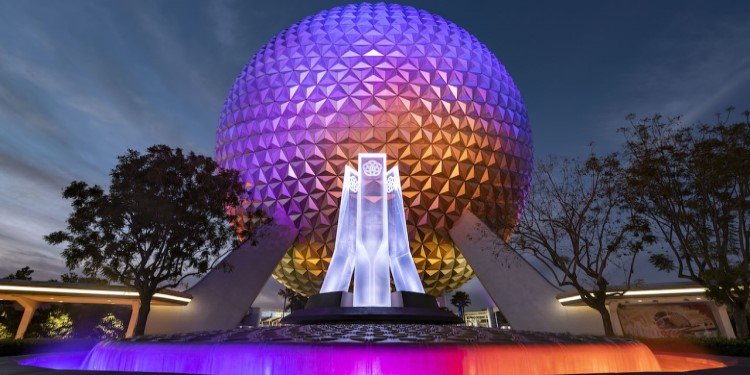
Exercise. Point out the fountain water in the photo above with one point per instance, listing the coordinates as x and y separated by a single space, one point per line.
346 340
364 348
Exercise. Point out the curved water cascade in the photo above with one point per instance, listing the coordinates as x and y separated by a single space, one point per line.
370 359
365 348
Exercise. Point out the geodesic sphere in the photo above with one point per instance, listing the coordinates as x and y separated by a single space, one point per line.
378 78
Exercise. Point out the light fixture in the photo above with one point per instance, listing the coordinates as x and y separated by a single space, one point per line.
94 292
643 293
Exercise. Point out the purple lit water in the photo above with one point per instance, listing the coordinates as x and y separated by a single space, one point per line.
396 359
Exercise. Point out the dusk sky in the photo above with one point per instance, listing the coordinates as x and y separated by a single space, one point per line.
82 81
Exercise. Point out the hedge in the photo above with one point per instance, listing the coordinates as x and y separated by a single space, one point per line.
10 347
707 345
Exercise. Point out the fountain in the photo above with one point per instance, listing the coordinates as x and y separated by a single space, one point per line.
370 348
357 80
370 330
365 348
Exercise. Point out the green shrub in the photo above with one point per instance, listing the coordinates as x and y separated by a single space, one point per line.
57 324
708 345
110 327
725 346
11 347
5 333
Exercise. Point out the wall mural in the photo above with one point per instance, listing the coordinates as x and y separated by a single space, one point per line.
667 320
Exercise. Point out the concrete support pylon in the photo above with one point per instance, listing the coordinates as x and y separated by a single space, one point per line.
221 299
29 308
724 324
613 316
526 298
135 306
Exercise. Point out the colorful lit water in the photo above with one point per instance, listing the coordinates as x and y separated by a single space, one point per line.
368 348
364 348
203 358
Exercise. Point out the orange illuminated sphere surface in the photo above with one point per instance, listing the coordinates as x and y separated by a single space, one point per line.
378 78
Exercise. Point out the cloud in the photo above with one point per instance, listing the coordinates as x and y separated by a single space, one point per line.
21 80
177 62
223 15
693 75
16 166
28 213
45 262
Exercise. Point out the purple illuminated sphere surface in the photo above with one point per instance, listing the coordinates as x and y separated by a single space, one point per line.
378 78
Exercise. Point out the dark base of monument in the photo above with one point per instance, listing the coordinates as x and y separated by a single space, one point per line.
371 314
407 307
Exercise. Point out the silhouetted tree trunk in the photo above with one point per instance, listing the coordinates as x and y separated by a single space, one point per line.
606 319
143 311
740 316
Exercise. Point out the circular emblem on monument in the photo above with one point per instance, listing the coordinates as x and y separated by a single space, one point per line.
372 168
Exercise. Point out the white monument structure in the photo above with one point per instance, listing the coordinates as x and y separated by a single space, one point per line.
371 239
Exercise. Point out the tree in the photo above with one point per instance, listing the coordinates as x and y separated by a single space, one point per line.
74 278
297 302
577 225
110 327
57 324
693 184
293 301
9 316
21 274
460 300
70 277
5 333
285 293
163 219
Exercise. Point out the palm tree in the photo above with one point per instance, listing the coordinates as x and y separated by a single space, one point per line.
293 301
460 300
286 293
296 302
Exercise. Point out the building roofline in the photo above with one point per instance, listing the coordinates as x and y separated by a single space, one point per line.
677 289
26 287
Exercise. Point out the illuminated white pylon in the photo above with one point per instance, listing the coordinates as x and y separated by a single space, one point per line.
371 238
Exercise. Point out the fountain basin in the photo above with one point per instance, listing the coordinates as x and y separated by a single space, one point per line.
364 348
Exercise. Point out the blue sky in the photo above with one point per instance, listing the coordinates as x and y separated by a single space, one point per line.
82 81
